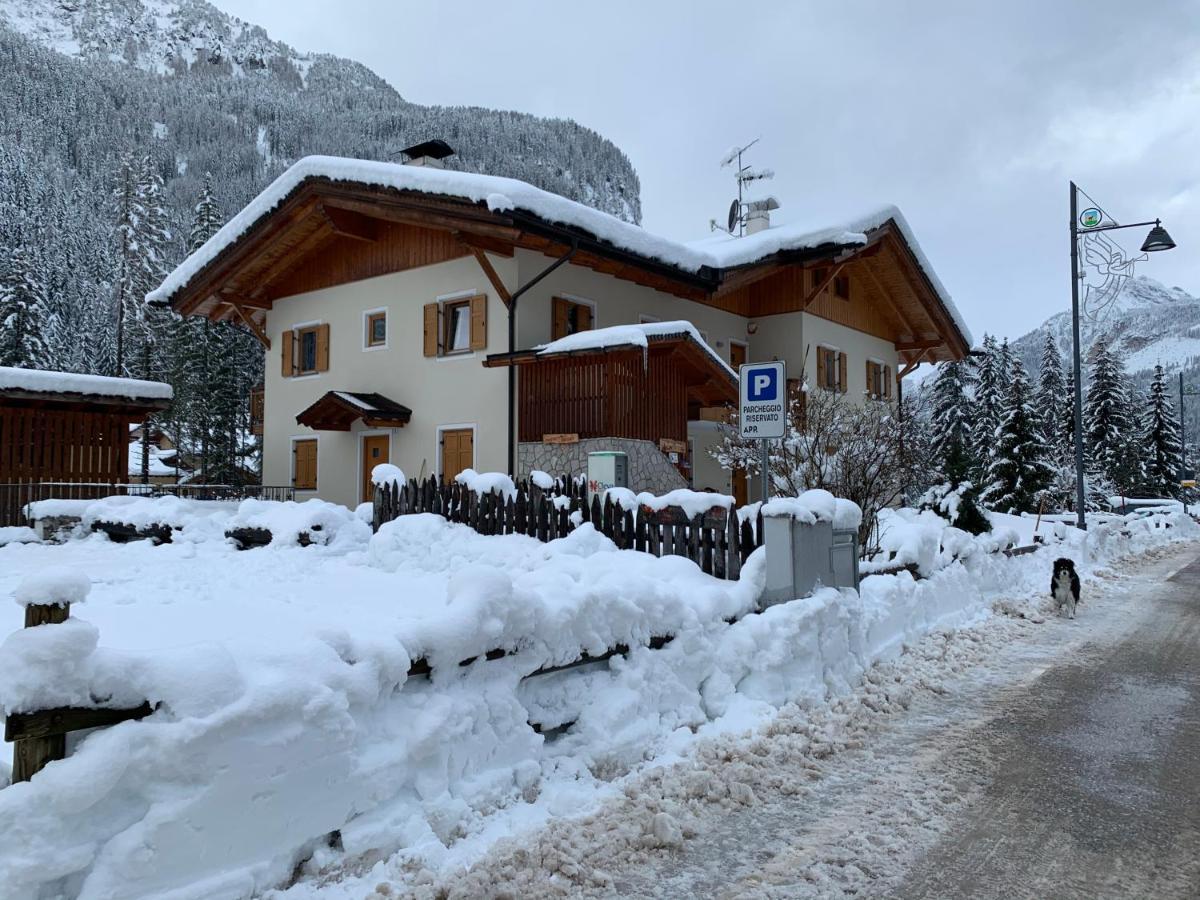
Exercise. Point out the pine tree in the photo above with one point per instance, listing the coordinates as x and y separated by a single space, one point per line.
1106 420
1161 445
950 421
1054 404
24 319
1020 469
990 380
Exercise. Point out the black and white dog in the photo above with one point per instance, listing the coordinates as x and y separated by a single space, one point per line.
1064 587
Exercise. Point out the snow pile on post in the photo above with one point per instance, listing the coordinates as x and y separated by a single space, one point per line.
388 475
487 483
39 381
55 586
816 506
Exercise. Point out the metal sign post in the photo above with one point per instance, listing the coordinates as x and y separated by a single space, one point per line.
762 409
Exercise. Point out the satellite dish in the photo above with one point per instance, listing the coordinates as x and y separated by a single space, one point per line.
735 212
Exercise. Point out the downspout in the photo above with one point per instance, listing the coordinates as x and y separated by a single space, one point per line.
512 348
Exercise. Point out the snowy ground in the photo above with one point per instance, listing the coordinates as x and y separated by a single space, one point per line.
290 746
827 800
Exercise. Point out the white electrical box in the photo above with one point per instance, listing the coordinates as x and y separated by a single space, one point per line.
606 469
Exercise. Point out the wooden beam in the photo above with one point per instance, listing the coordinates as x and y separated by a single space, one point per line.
889 301
920 345
255 328
935 310
411 214
51 722
911 364
348 224
483 242
744 278
289 260
492 275
825 282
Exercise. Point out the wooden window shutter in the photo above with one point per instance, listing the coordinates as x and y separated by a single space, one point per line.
431 329
323 347
479 322
887 382
870 380
583 317
821 382
561 310
842 372
287 342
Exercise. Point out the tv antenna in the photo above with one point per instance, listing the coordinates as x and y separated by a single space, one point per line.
743 175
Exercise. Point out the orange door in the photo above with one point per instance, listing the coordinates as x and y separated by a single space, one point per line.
737 354
458 452
375 448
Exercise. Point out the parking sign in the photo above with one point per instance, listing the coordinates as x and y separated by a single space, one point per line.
762 412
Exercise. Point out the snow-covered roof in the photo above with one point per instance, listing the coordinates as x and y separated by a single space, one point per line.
39 381
630 336
158 467
505 194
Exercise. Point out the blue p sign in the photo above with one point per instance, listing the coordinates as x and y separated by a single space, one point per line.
763 384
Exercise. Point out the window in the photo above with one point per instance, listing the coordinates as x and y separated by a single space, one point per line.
376 329
879 380
570 317
456 320
831 369
841 287
305 350
457 325
818 276
304 464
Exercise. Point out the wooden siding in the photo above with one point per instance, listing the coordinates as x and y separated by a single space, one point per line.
38 444
340 260
609 395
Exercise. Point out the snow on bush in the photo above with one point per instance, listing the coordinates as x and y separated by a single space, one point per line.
287 713
54 586
324 523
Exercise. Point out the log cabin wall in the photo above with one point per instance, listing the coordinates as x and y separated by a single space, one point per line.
605 395
39 445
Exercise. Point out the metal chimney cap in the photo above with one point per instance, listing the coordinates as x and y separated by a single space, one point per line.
435 149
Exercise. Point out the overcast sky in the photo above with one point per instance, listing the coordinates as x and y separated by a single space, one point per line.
972 118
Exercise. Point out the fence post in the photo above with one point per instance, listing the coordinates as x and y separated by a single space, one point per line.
32 754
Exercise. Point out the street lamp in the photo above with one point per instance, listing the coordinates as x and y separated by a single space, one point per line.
1092 220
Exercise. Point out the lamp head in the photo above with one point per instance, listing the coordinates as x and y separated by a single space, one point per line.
1157 239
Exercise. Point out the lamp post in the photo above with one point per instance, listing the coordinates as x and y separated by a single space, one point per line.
1183 433
1092 220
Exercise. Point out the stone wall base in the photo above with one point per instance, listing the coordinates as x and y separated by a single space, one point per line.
649 468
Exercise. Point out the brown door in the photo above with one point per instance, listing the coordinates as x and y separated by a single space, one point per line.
740 495
458 452
375 448
737 354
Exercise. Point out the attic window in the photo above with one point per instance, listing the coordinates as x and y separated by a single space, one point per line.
818 276
841 287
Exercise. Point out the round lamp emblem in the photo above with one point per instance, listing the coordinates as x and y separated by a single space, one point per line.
1091 217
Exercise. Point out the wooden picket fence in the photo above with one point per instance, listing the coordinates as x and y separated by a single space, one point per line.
714 539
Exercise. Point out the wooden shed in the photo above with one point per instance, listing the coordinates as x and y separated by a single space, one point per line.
60 427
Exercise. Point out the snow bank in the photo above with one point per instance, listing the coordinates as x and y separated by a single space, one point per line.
53 587
18 534
261 749
194 518
324 523
41 381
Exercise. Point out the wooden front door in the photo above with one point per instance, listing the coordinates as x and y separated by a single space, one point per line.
741 496
458 452
737 354
375 449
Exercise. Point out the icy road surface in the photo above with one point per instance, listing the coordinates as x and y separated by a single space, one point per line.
1019 759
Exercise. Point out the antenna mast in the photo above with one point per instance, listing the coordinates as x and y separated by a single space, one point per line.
743 174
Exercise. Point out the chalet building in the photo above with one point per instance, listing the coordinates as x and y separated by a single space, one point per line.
441 320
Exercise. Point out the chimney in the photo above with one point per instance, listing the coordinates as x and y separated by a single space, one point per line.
431 154
758 214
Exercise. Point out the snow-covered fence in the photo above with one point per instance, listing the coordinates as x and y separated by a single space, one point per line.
39 736
706 531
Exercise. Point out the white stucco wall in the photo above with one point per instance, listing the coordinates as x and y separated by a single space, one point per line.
450 391
459 391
